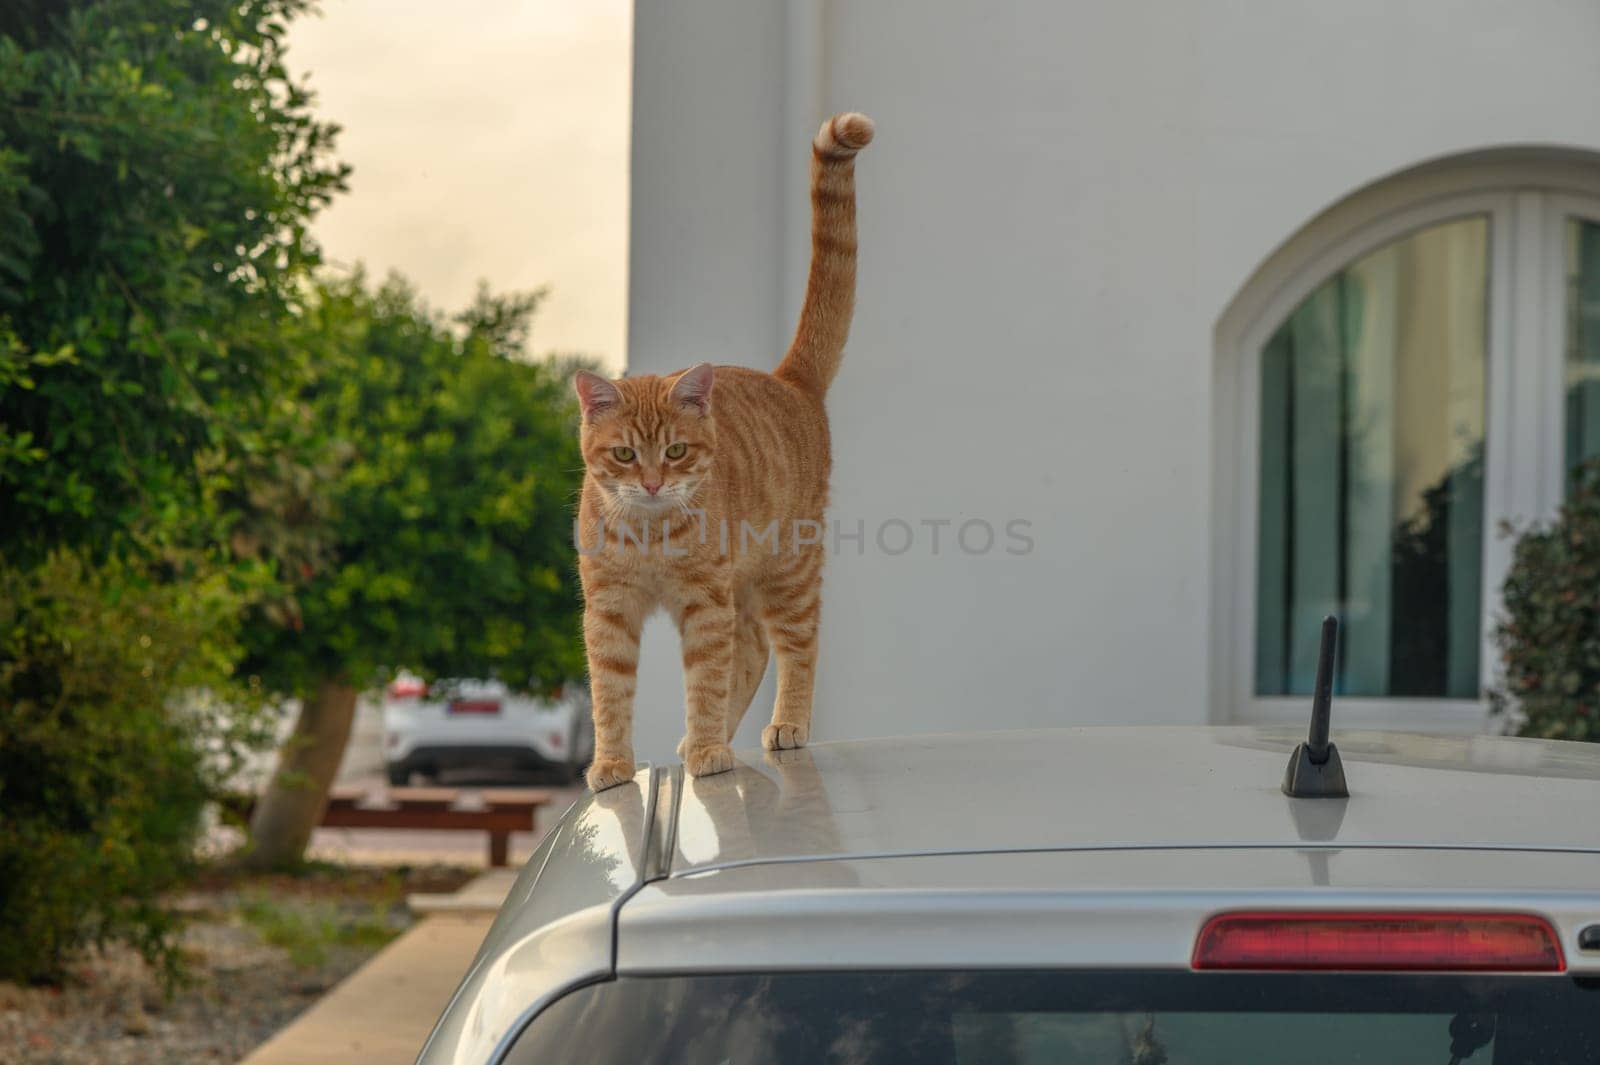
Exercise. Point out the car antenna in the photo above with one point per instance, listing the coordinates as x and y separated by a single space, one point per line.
1315 771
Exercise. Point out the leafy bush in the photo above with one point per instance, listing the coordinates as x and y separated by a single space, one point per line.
103 776
1549 637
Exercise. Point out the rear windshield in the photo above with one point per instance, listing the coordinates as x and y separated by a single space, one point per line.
1063 1018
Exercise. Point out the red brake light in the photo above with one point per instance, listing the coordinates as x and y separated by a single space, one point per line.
1480 942
407 688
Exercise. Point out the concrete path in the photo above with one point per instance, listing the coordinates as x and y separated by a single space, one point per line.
382 1013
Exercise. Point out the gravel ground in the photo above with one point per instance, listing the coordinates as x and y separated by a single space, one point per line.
260 951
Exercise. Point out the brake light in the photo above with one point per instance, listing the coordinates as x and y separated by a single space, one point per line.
408 688
1477 942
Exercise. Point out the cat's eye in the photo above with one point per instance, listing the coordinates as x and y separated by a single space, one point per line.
622 454
677 451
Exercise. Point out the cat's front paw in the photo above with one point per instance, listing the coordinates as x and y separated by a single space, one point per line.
784 737
704 761
609 772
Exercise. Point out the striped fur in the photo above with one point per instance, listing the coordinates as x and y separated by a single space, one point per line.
755 453
818 342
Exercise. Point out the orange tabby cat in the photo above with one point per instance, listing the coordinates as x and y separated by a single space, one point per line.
703 493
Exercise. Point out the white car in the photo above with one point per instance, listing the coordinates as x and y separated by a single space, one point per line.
468 724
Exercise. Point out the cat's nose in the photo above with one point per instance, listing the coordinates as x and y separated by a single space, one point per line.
651 487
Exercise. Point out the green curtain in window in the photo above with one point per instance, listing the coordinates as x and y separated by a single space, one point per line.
1583 341
1371 473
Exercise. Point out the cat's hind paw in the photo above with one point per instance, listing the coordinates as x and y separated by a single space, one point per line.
784 737
609 772
704 761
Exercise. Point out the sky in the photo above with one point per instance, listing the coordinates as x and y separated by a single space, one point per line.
489 140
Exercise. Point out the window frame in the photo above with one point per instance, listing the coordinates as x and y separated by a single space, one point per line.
1526 202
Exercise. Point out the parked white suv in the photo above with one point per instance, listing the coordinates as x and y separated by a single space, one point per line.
470 724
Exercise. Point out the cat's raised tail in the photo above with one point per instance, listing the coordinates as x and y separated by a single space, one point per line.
818 343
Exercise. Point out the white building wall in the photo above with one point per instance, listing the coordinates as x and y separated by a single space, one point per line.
1063 198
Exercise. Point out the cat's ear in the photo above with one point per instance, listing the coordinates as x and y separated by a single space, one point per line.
596 395
693 387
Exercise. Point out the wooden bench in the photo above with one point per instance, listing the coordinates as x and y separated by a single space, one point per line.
497 811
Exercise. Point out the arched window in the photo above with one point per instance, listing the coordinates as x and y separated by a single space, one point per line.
1417 368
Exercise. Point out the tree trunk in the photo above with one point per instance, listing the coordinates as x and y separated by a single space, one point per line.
292 804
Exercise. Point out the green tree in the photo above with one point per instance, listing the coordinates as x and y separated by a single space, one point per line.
448 524
159 170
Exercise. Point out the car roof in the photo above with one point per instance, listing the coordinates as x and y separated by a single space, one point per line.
1138 788
1061 847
